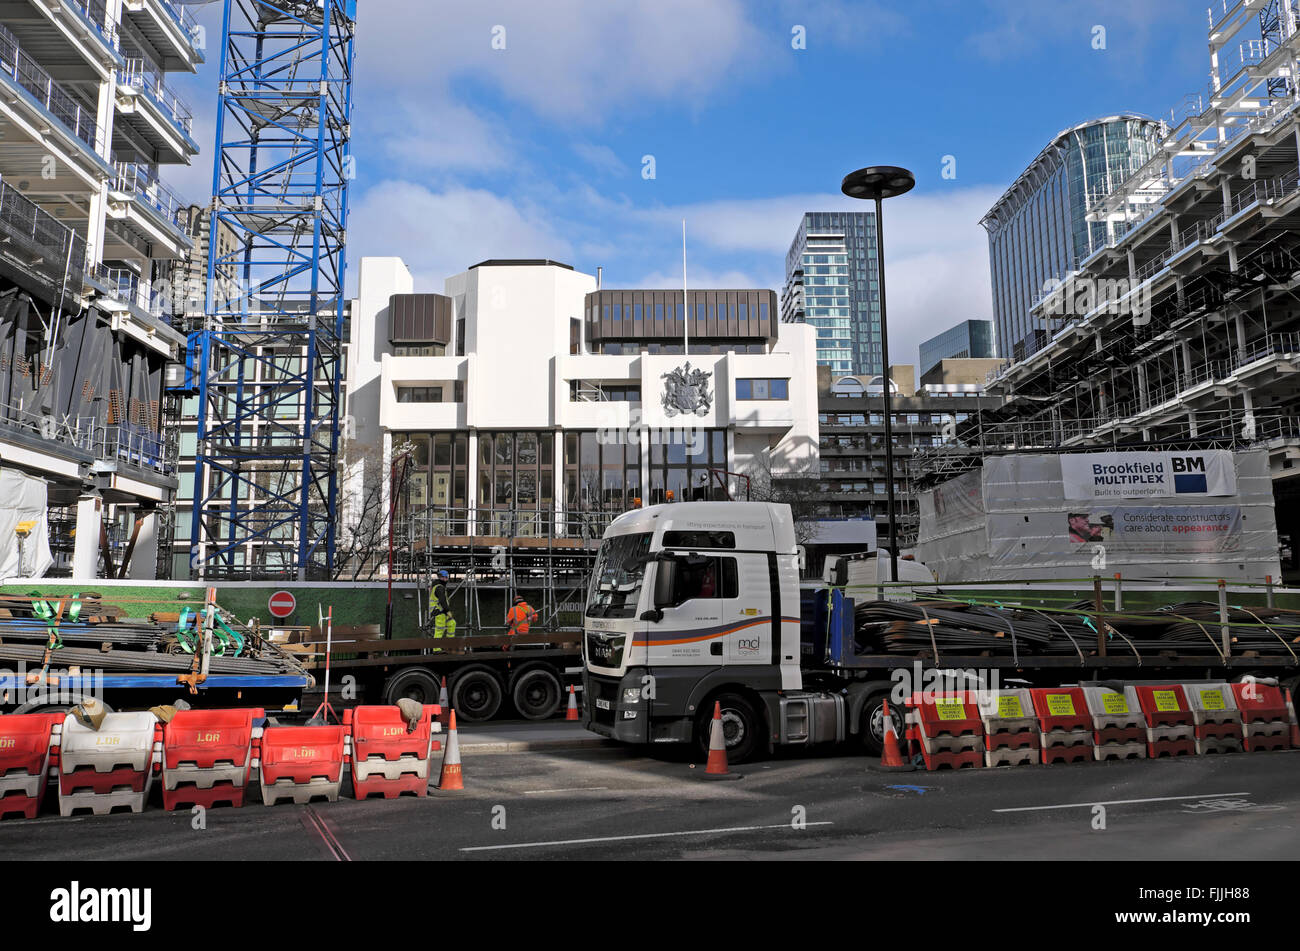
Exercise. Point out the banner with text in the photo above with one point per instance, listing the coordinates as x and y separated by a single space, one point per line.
1148 475
1169 530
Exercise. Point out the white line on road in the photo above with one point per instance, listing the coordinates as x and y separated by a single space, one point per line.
534 792
1121 802
624 838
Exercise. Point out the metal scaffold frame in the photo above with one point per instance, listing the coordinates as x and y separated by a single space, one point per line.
269 358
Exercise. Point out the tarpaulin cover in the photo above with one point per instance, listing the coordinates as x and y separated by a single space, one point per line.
23 499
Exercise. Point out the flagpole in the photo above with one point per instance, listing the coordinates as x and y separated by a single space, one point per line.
686 310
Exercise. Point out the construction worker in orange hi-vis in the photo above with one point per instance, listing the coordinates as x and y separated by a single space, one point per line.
519 616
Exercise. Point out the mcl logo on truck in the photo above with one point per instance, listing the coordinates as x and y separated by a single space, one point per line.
1189 474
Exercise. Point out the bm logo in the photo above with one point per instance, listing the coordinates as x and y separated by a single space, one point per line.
1189 474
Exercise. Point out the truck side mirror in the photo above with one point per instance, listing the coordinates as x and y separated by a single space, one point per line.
665 581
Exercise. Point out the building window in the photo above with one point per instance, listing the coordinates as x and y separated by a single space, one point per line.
419 394
762 389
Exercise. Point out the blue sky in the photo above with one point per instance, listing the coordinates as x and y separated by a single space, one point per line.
465 152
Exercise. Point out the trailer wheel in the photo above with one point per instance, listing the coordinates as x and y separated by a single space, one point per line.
742 728
536 692
476 694
872 728
414 684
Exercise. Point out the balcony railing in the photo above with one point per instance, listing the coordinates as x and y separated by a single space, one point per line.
125 286
142 74
142 181
134 446
78 433
60 249
22 69
1270 345
96 11
183 18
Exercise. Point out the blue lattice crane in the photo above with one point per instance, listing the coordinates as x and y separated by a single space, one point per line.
269 358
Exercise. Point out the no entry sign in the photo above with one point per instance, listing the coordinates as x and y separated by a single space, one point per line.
281 604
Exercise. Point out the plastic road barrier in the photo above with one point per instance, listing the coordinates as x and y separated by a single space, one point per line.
207 756
1011 735
104 769
1170 728
386 759
301 763
1265 720
25 743
949 730
1119 730
1215 717
1065 725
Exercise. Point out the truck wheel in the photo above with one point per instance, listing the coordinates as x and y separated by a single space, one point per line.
414 684
872 728
536 693
476 694
741 727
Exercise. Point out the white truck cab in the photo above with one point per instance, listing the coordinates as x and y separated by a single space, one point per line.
692 602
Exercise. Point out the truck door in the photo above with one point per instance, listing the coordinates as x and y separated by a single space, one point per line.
747 610
692 630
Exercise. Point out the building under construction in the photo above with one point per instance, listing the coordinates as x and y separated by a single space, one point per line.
1183 328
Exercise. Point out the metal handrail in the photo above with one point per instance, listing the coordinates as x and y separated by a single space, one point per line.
142 180
136 447
96 11
144 75
67 110
61 247
78 433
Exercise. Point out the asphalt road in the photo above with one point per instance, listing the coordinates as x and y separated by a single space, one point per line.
614 803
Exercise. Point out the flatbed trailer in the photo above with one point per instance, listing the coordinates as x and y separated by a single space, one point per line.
698 604
487 674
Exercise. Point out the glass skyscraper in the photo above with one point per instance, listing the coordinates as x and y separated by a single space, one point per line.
1038 230
969 339
831 283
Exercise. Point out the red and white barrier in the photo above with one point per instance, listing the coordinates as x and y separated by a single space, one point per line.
386 759
207 757
301 763
1065 725
1215 719
1171 730
102 770
1011 736
26 741
948 730
1265 717
1119 730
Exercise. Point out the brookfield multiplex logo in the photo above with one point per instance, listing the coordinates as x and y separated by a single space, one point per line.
1189 474
78 905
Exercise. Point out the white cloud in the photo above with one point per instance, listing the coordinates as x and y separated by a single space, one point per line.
442 233
568 58
601 158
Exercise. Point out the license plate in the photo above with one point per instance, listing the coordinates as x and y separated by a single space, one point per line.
602 704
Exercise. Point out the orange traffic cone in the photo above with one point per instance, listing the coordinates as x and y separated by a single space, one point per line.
716 768
572 712
891 754
1295 726
443 704
451 778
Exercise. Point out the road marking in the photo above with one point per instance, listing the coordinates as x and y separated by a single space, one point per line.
1121 802
624 838
327 835
535 792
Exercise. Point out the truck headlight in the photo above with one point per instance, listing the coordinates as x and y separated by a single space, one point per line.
631 694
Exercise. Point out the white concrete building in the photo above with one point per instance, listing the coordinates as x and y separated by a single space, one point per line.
542 405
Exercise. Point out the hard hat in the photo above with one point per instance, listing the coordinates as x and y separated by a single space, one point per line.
443 575
519 599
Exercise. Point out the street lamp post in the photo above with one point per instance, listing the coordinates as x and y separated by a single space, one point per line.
880 182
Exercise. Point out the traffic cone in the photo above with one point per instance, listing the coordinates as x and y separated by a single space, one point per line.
572 712
716 768
1295 727
451 778
443 705
891 754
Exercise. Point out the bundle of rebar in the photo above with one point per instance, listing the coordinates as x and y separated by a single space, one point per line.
82 632
930 628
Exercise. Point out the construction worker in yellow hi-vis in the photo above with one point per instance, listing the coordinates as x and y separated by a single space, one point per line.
444 624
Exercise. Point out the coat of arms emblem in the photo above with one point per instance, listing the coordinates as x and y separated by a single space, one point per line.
687 391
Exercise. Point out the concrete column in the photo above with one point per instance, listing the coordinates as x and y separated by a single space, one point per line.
144 558
85 552
471 490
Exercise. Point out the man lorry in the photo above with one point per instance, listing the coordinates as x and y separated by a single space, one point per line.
693 603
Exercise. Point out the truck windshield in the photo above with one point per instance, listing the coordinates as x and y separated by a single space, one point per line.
616 579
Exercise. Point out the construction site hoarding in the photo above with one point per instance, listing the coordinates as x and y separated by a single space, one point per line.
1071 516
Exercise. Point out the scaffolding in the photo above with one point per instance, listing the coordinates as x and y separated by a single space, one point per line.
268 360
